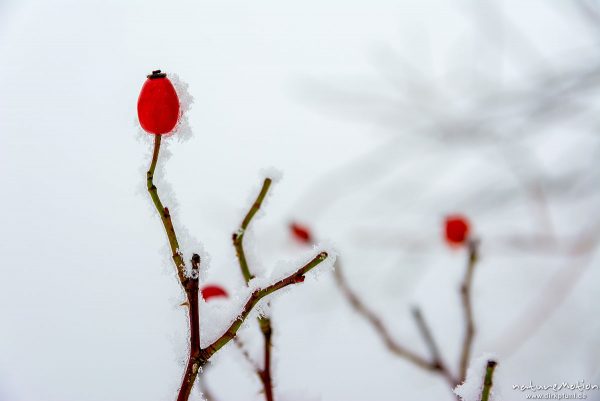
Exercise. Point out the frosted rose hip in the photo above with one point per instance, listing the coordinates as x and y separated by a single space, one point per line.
158 104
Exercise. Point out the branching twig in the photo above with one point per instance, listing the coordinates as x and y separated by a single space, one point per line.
465 291
487 381
198 357
436 364
264 374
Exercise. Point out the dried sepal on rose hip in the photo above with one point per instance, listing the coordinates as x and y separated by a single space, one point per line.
213 291
301 233
158 105
456 230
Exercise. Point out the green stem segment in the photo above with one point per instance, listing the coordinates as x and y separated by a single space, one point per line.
238 237
165 216
487 381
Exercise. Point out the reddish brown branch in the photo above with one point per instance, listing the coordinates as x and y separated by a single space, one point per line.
465 291
265 372
191 370
257 295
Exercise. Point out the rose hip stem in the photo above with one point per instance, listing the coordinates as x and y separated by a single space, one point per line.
189 284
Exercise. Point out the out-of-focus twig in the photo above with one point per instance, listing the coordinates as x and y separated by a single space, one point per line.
436 357
244 351
465 291
207 394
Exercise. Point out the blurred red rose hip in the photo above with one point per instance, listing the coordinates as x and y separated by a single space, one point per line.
158 104
301 233
456 230
213 291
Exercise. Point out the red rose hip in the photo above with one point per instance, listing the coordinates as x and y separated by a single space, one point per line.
457 229
158 104
301 233
213 291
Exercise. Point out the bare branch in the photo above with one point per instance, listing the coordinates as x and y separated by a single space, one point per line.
465 291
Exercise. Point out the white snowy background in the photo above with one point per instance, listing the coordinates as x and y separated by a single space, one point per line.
384 116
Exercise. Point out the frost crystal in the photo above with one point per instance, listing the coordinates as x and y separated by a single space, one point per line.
182 131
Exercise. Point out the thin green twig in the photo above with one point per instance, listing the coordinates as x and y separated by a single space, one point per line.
165 216
238 236
487 381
